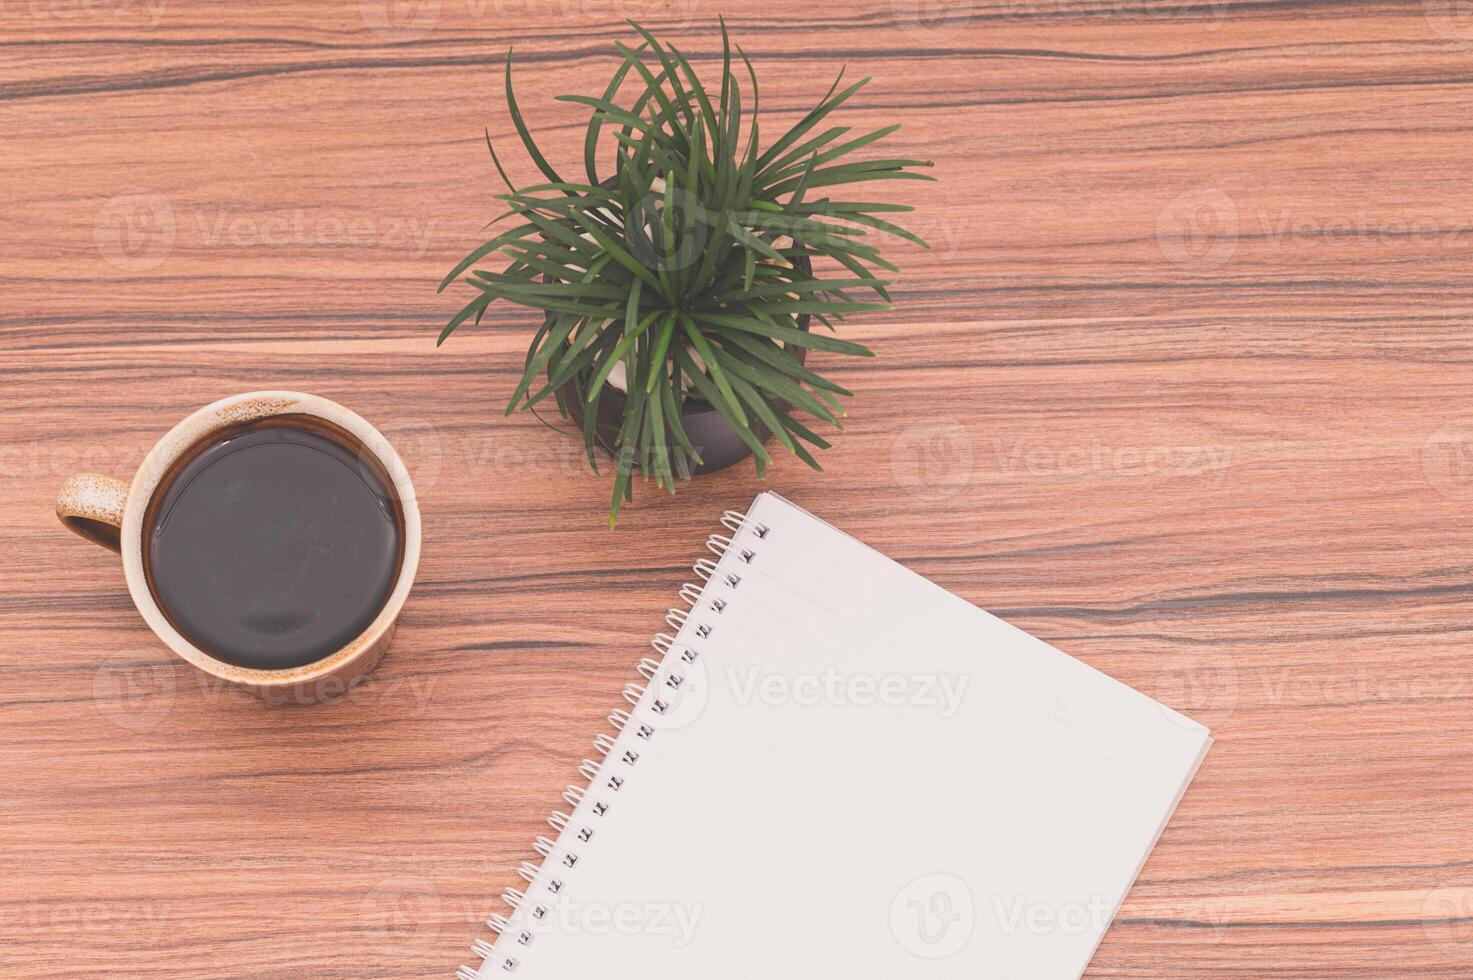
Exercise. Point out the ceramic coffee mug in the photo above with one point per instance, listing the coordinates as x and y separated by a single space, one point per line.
111 513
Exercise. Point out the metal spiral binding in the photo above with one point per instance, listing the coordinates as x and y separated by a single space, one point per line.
735 520
605 775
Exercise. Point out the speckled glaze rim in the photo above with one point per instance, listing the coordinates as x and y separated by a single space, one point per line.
249 407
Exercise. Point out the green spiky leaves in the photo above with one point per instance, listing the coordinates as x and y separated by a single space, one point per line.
691 273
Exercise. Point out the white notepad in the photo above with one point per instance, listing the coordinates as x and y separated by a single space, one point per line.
839 769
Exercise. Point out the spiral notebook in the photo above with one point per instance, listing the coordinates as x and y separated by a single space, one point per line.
835 768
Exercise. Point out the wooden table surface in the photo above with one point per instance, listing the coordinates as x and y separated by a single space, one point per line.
1183 388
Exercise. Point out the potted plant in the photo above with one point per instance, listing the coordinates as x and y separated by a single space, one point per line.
678 293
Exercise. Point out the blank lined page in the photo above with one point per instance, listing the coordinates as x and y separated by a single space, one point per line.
841 769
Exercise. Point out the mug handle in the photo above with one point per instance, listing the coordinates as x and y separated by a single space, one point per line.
92 506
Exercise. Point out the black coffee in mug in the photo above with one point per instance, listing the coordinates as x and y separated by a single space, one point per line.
274 543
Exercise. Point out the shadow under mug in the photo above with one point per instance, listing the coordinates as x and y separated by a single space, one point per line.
112 513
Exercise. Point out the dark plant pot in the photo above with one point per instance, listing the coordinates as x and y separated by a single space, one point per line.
714 438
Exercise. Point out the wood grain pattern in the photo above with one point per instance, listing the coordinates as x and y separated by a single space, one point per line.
1183 388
